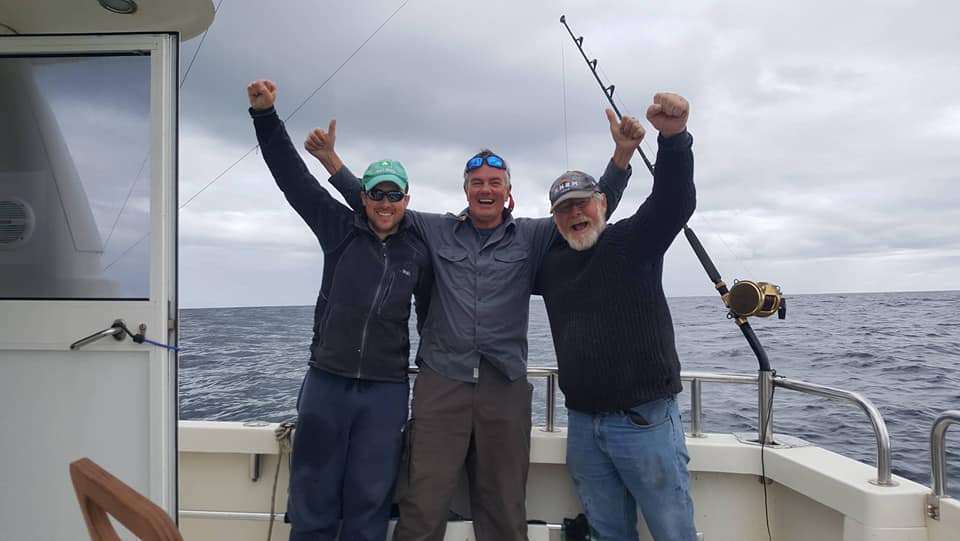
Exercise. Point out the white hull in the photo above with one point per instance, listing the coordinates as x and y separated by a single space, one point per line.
814 494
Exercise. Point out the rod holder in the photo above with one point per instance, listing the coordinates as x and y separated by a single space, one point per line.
551 402
696 409
765 397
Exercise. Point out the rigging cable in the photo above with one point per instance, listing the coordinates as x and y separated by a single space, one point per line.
626 108
200 45
384 23
287 118
647 144
298 107
612 99
697 215
563 81
136 178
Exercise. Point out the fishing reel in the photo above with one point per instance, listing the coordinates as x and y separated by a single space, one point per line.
761 299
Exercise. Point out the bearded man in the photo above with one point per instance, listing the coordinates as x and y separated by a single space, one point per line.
611 326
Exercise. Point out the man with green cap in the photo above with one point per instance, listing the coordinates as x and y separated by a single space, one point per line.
471 398
353 403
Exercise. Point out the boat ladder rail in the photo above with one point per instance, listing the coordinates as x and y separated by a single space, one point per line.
938 456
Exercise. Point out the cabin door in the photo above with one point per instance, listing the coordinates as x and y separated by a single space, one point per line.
88 208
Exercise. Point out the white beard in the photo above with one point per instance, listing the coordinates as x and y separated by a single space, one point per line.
585 239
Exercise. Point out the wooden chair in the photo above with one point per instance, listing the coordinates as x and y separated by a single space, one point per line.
100 494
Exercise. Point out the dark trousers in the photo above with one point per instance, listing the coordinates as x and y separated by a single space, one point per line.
484 426
346 454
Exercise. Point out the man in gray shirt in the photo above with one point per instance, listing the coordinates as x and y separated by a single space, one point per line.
471 400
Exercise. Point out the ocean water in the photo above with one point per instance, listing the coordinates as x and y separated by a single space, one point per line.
900 350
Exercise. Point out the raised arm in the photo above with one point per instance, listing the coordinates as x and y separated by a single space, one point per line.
627 134
321 144
327 218
673 198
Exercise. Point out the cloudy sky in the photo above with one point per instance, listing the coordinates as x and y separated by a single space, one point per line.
827 134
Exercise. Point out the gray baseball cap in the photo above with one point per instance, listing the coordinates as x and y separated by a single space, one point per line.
572 185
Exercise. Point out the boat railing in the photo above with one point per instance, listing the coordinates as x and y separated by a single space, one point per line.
765 382
765 421
884 461
938 457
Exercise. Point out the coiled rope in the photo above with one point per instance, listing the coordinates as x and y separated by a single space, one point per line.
284 436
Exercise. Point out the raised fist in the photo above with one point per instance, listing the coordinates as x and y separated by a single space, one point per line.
262 94
669 113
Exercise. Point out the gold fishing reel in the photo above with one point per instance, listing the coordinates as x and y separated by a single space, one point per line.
761 299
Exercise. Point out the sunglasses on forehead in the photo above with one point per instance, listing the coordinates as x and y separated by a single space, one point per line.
477 161
378 195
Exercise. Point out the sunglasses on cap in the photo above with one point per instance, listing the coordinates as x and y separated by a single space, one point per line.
477 161
378 195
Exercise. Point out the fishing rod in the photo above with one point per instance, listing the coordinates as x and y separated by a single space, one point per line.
746 298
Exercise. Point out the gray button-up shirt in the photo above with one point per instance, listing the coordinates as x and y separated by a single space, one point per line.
480 304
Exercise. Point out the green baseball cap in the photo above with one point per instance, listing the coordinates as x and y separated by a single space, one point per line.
385 171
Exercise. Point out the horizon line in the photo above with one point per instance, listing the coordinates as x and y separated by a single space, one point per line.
668 297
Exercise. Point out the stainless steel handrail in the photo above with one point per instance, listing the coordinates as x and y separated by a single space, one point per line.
547 372
696 396
551 375
278 517
230 515
938 457
884 461
713 377
696 378
876 419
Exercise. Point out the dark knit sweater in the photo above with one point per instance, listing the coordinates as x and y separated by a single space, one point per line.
609 317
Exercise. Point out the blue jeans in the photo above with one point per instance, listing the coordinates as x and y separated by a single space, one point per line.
618 463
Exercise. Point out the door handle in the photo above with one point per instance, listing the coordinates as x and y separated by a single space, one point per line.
117 330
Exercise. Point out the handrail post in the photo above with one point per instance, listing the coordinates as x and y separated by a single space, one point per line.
551 401
696 409
765 398
938 456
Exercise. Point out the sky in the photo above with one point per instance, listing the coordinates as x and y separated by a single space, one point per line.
826 134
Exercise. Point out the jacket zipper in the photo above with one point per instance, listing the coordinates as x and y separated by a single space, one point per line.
373 307
386 293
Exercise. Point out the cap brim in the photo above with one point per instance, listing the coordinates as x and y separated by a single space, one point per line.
576 194
386 177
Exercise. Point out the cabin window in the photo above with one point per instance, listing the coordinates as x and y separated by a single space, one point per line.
75 177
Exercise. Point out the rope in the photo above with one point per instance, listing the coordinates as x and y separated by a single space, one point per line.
284 435
158 344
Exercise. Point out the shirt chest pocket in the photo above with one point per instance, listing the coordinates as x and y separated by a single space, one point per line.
455 269
511 265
